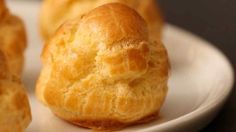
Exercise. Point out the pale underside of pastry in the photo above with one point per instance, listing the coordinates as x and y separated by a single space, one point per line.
56 12
103 71
14 106
12 39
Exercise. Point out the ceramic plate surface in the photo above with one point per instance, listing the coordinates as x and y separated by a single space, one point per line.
200 81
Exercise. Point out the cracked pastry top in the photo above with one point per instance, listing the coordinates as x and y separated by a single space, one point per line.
103 71
56 12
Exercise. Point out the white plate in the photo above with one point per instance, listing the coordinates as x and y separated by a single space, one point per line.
200 82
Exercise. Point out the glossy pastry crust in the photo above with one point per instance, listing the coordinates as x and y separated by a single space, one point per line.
14 106
103 71
12 39
56 12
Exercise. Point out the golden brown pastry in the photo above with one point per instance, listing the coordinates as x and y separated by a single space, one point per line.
102 71
56 12
14 106
12 39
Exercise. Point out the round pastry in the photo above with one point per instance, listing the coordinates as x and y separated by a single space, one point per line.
14 106
56 12
12 39
102 70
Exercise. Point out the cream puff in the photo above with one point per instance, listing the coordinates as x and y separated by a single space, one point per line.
56 12
103 71
12 39
15 113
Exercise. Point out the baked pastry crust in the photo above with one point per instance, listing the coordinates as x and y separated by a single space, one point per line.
56 12
103 71
110 125
12 39
14 106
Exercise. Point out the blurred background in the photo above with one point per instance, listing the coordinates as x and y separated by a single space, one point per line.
215 21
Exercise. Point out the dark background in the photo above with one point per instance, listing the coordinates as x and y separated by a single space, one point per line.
215 21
